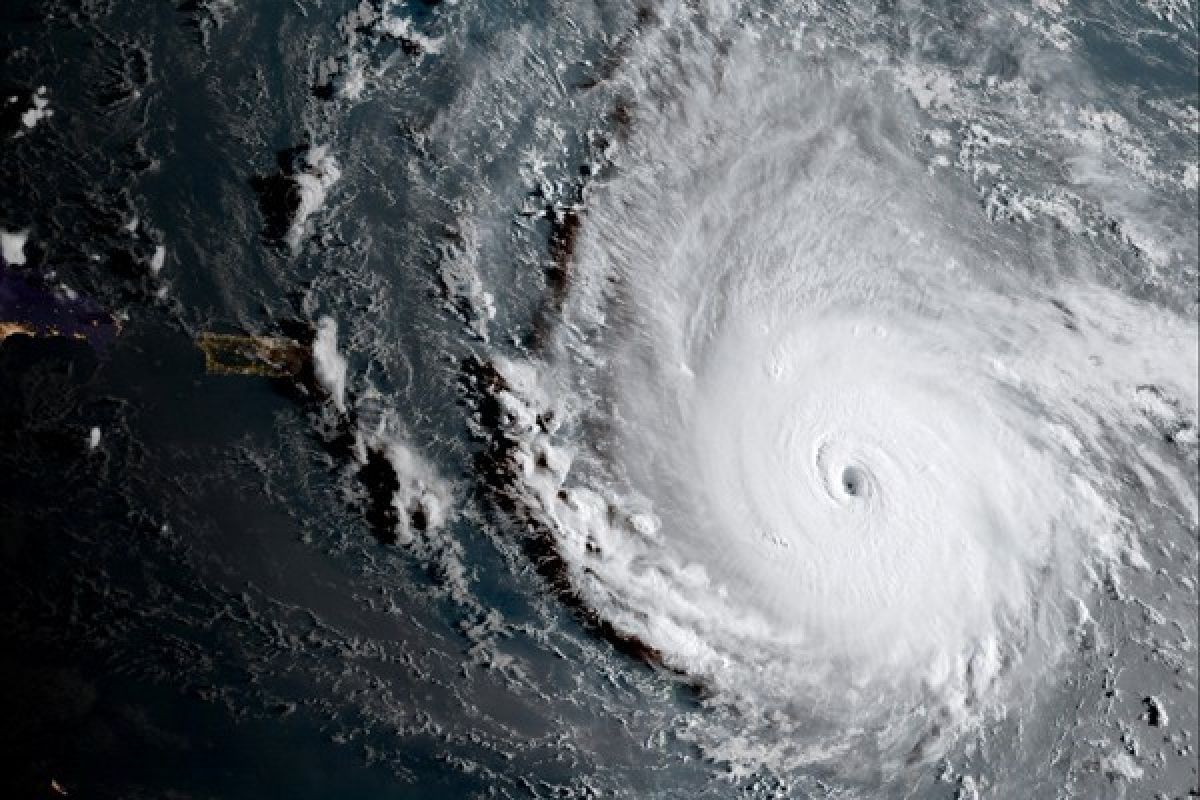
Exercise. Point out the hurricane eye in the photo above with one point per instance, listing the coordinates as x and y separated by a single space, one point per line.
854 481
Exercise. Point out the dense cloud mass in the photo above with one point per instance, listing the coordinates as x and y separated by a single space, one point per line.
840 450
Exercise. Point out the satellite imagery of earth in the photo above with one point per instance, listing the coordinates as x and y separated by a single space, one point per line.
644 399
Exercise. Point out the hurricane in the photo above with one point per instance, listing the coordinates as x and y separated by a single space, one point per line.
850 459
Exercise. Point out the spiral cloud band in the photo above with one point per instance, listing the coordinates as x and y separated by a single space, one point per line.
836 449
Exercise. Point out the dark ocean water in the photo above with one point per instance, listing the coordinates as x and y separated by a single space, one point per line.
239 591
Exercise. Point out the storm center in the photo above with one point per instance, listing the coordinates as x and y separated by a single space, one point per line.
854 481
